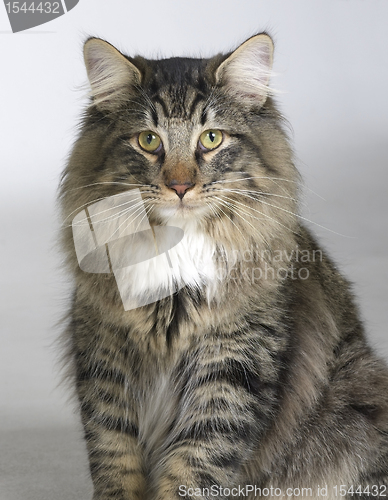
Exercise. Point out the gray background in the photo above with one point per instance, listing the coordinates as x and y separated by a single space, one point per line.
331 64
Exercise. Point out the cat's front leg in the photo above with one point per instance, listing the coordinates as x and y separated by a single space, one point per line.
115 465
225 409
111 433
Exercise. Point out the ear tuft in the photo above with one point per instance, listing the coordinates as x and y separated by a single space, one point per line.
246 72
109 72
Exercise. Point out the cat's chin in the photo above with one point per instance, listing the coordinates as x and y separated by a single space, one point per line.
182 212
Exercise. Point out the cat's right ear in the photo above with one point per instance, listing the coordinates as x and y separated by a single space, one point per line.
245 73
110 74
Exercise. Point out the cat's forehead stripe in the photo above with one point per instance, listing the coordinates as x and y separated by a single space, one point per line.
185 105
178 85
157 99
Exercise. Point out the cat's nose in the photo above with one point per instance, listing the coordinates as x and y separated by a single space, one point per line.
180 189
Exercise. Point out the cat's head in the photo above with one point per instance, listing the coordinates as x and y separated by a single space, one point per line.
199 140
199 137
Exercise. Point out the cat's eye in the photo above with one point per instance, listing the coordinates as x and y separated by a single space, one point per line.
149 141
210 139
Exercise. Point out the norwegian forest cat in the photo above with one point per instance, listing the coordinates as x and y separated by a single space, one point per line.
252 377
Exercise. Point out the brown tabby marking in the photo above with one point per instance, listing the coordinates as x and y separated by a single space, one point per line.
233 380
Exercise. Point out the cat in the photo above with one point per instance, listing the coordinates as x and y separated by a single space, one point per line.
253 377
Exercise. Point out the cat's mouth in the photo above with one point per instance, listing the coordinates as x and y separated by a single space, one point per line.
184 209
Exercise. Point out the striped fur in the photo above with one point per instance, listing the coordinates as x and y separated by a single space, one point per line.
250 374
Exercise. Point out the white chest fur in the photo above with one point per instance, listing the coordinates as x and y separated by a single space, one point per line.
188 263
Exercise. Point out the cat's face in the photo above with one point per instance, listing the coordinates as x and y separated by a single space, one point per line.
196 144
199 137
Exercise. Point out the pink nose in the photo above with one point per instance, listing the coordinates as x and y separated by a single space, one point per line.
180 189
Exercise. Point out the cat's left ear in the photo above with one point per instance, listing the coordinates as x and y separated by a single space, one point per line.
111 75
246 72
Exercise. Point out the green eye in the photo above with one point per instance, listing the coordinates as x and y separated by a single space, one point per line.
210 139
149 141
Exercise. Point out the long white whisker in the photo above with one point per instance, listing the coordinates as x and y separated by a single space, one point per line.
230 205
87 204
259 212
226 215
105 182
295 215
115 215
129 219
224 181
305 219
257 193
271 179
238 211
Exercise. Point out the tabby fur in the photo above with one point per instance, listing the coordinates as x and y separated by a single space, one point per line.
234 380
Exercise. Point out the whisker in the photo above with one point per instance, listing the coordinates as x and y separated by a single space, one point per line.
113 216
295 215
229 205
238 211
144 216
258 193
306 219
224 181
105 182
87 204
261 213
235 225
271 179
213 210
130 220
81 206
